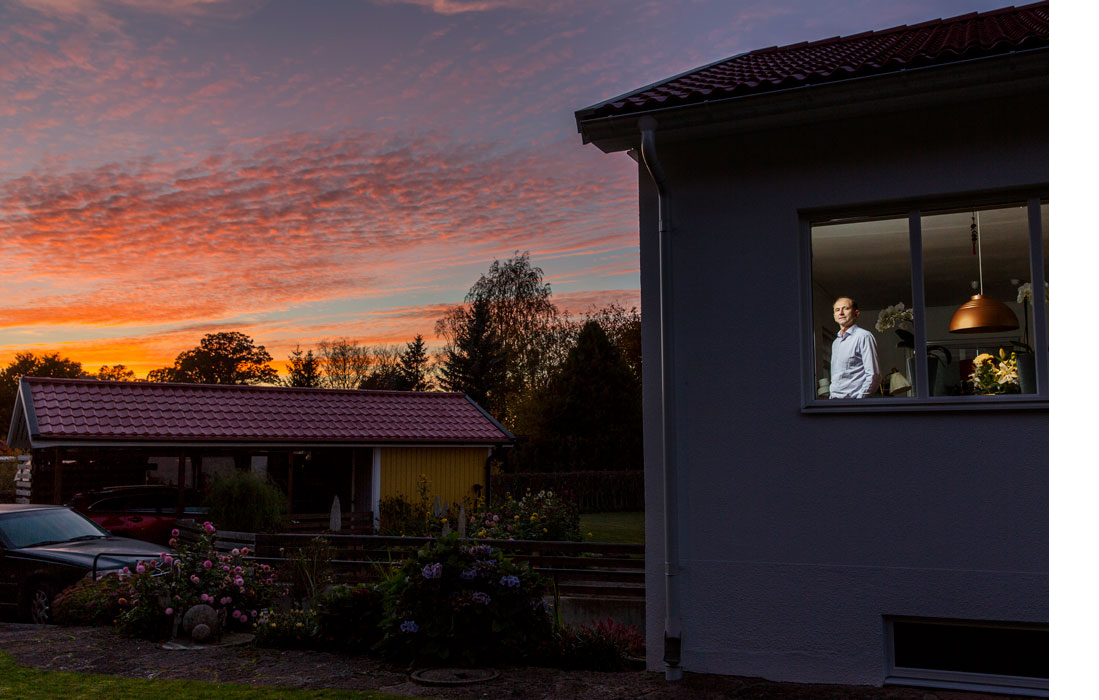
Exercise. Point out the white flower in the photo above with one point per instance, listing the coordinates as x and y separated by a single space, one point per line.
1024 293
893 316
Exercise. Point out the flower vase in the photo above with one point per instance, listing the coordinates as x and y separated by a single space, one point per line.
1024 367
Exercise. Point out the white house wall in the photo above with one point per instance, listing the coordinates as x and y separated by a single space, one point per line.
801 531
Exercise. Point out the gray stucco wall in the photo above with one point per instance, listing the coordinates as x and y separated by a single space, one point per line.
801 531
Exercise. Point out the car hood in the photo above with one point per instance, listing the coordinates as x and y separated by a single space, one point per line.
123 551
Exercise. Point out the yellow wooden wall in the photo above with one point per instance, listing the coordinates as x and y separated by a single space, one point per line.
451 472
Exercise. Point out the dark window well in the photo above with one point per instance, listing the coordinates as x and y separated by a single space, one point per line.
999 650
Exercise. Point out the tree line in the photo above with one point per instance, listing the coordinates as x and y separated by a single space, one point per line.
570 389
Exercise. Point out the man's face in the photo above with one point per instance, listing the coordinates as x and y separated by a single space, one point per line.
844 313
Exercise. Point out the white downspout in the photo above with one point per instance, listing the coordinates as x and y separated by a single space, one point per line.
673 622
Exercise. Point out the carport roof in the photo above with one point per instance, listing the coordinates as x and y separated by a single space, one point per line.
52 412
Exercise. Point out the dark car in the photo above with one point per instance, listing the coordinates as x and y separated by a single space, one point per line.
141 512
45 549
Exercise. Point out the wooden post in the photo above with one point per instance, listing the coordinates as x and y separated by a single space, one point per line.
181 480
290 483
57 476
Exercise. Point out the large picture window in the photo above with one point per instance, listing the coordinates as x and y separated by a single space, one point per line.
946 306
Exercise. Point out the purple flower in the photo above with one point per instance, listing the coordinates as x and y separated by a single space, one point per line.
238 581
175 533
409 626
467 575
226 600
482 598
140 568
510 581
433 570
243 617
208 527
194 578
236 552
168 611
236 614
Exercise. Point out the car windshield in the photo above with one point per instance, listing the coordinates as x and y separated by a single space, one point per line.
50 525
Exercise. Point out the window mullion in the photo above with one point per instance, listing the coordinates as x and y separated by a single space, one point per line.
1038 295
919 325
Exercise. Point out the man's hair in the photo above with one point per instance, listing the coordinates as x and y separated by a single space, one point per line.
854 304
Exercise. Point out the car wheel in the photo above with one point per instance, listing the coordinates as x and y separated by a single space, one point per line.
40 602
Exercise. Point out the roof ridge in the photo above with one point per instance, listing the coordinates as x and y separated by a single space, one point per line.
940 22
91 381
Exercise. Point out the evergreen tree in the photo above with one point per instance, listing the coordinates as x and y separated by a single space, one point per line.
475 362
304 369
413 366
591 412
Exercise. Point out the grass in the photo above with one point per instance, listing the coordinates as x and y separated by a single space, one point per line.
613 527
32 684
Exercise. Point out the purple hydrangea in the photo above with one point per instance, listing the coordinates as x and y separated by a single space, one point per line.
482 598
467 574
510 581
409 626
433 570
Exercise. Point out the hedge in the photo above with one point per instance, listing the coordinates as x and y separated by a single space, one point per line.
594 491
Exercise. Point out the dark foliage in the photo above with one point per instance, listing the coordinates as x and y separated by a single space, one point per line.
220 358
592 491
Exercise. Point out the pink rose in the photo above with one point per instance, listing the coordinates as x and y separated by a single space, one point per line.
207 564
168 611
175 533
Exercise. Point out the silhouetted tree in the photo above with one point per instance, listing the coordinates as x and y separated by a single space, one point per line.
413 366
221 358
115 373
303 369
385 368
346 364
26 364
591 412
523 319
475 362
623 329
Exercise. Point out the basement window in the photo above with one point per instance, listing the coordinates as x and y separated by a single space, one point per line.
968 655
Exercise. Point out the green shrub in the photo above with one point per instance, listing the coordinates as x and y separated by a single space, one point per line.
290 629
245 502
538 516
310 568
461 604
161 590
89 602
401 518
349 617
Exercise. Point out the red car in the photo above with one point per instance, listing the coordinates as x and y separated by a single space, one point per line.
141 512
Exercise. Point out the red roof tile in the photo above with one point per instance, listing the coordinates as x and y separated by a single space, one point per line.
940 41
82 409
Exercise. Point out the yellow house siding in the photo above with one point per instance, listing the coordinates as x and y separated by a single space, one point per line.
451 471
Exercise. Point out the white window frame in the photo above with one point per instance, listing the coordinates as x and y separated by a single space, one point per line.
922 400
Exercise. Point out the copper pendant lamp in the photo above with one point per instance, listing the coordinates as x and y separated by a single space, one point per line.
981 314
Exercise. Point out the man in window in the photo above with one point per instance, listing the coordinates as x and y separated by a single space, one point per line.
855 372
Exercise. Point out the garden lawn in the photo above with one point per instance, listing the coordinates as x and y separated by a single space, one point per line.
613 527
32 684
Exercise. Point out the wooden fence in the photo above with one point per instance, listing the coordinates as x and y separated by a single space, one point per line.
577 569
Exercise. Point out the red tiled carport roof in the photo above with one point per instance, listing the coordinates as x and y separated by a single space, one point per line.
940 41
90 411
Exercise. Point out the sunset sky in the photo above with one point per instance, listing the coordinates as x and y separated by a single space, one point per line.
299 170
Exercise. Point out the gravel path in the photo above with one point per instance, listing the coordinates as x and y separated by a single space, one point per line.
100 650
